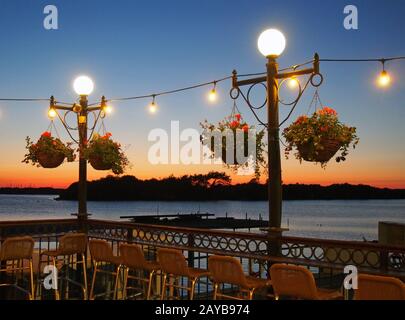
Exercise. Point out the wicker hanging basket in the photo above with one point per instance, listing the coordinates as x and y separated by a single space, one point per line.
98 164
224 150
50 160
330 147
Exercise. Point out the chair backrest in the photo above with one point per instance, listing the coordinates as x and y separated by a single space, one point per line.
226 270
132 256
172 261
15 248
72 243
293 281
372 287
100 250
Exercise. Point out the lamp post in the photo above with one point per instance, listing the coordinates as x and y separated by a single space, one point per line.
271 44
83 86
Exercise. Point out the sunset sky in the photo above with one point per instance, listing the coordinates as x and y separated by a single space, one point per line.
132 48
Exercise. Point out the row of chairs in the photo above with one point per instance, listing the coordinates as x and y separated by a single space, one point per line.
286 280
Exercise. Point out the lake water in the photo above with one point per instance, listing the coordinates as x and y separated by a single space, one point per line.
333 219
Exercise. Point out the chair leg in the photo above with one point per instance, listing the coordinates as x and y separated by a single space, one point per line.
193 281
57 295
162 297
150 284
124 289
39 285
117 276
32 295
84 276
215 291
93 282
251 292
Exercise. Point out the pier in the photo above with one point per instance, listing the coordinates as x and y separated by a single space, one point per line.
199 220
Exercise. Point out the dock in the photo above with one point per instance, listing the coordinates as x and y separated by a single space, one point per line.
198 220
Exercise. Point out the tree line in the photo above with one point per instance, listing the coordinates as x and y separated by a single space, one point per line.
217 186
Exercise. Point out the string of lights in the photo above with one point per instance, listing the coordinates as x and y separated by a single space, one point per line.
384 79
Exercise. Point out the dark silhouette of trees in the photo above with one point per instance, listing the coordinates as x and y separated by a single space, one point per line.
217 186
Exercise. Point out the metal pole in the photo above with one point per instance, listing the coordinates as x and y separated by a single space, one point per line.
82 119
274 158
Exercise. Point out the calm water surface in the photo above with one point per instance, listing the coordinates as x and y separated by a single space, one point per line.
335 219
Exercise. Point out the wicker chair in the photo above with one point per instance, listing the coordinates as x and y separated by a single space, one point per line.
17 250
298 282
134 259
372 287
101 252
228 270
174 265
70 244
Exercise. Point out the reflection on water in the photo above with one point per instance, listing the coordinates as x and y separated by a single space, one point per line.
338 219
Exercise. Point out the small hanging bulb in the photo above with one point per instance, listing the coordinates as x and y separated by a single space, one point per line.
52 113
108 109
153 106
384 78
105 108
212 95
293 83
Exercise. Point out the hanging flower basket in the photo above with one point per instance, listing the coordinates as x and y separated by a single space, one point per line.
239 138
105 154
48 152
324 154
98 164
50 160
318 138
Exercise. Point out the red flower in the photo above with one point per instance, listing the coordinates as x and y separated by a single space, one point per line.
327 111
108 134
301 119
325 128
245 128
46 134
238 116
234 124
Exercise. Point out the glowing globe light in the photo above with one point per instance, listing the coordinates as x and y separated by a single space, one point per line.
52 113
271 43
83 85
212 95
384 79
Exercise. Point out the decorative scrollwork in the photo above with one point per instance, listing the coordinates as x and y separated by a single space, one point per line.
320 81
248 96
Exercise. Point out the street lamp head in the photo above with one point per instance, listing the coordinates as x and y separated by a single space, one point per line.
83 85
271 43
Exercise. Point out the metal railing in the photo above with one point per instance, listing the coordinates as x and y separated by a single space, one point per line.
326 258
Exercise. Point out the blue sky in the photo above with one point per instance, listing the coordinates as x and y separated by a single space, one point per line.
140 47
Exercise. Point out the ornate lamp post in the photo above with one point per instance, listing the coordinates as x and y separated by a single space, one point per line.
271 44
83 86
